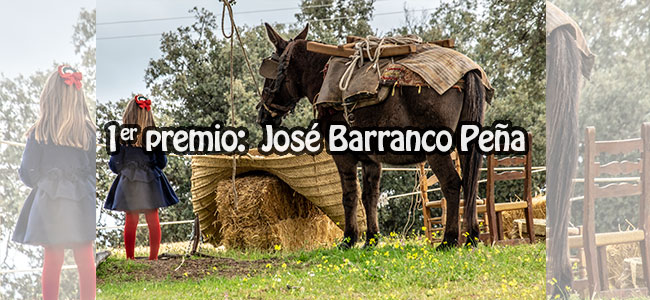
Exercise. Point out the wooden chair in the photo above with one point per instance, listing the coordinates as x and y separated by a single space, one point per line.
490 213
495 210
577 260
595 244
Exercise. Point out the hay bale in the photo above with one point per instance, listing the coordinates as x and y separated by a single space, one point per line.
510 230
619 271
313 176
269 213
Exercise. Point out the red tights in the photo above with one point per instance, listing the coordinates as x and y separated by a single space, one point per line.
130 227
52 263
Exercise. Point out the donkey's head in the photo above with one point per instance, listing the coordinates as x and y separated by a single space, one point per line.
282 86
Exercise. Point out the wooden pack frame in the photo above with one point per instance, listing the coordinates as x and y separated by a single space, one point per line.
347 50
595 244
492 211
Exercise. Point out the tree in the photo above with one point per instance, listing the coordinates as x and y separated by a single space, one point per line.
83 40
18 112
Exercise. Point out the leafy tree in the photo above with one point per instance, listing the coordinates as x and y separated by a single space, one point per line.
83 40
18 112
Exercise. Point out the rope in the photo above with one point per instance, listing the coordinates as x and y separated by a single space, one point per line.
66 267
413 207
144 224
189 247
366 46
233 28
438 189
226 5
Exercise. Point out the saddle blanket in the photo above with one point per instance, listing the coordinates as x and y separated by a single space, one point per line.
431 66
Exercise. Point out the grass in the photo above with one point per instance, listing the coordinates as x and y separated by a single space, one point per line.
394 269
121 270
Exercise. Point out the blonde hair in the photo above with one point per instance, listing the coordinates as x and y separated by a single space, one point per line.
135 115
64 117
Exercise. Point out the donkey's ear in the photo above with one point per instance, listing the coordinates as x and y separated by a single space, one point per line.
303 34
275 38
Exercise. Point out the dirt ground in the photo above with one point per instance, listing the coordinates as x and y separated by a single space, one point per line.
195 268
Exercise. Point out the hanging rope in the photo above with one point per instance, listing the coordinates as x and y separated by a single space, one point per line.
235 30
226 4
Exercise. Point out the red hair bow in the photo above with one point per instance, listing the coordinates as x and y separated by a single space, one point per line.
70 76
143 102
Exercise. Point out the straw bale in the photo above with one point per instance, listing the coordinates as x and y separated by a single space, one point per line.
269 213
510 230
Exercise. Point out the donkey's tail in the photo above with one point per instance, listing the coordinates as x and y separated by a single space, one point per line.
563 62
473 104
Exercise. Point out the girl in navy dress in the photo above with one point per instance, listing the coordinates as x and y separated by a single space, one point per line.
141 186
59 165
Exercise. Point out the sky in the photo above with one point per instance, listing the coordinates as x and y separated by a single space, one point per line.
34 39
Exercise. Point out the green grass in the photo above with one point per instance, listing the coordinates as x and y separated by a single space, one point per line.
395 269
119 270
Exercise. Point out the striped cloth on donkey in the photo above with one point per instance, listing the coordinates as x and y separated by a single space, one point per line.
442 67
431 66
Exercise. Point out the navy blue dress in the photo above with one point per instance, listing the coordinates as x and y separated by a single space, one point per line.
140 183
60 209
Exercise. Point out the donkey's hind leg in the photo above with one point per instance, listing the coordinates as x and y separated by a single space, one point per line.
470 229
443 168
370 197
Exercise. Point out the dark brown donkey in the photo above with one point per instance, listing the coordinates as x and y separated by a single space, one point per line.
299 74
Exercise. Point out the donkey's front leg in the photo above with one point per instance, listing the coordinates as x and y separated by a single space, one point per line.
347 166
370 197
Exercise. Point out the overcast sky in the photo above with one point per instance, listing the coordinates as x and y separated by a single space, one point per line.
35 34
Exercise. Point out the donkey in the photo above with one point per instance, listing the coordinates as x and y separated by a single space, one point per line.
299 74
